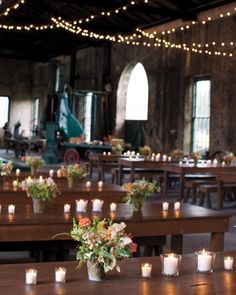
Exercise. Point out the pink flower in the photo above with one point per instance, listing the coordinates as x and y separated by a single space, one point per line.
133 247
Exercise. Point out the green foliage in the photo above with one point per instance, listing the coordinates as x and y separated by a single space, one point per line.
5 168
34 162
74 171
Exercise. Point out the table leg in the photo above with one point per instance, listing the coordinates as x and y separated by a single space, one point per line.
132 174
217 242
181 187
120 174
165 184
176 244
220 195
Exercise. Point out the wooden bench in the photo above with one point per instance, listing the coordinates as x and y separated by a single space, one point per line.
192 187
207 189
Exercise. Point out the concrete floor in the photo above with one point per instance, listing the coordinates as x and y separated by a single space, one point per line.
191 243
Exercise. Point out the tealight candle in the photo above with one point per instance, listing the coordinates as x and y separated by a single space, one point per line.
152 158
11 209
138 155
113 207
204 260
88 184
67 208
146 269
128 153
104 153
223 164
133 153
31 276
40 179
81 205
59 173
97 205
164 158
170 264
165 206
17 172
180 163
125 154
158 157
153 155
209 162
100 184
51 172
109 153
14 183
29 180
228 263
60 274
215 162
169 159
177 206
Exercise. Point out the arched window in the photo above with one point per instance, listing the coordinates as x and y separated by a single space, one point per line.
137 94
4 110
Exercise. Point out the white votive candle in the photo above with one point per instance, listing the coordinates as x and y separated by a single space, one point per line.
97 205
152 158
215 162
128 153
146 269
170 265
104 153
59 173
169 159
88 184
17 172
14 183
133 153
228 263
204 261
100 184
51 172
180 163
177 206
81 205
31 276
223 164
60 274
41 179
165 206
158 157
164 158
113 207
109 153
67 208
11 209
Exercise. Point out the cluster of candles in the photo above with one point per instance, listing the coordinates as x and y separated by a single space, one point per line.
11 209
215 162
165 206
31 275
158 157
170 263
81 206
170 267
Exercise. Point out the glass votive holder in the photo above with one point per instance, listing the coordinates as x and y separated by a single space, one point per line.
51 172
81 205
66 208
15 183
204 261
100 184
170 264
113 207
97 205
228 263
146 269
17 172
60 274
177 206
165 206
11 209
31 276
88 184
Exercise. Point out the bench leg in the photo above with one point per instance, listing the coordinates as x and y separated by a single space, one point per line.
201 199
208 200
194 195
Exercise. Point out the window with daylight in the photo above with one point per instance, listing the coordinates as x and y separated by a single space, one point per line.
201 116
4 110
36 113
137 95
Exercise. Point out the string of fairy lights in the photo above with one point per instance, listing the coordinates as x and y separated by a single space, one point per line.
139 37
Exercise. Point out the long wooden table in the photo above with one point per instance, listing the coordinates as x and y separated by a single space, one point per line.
128 281
184 169
26 226
140 163
110 193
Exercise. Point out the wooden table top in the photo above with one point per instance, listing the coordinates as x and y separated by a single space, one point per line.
190 168
226 177
128 281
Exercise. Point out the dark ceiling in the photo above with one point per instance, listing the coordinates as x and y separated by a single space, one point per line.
104 17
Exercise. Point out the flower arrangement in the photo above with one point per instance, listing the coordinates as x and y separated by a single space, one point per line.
101 242
145 151
5 168
228 157
177 154
72 171
196 156
43 189
117 149
138 191
34 162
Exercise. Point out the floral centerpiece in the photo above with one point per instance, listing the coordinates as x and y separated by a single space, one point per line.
5 169
196 156
145 151
39 190
138 191
117 149
34 163
228 157
72 172
102 244
177 154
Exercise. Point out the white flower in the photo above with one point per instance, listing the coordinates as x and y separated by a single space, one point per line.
116 228
125 241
